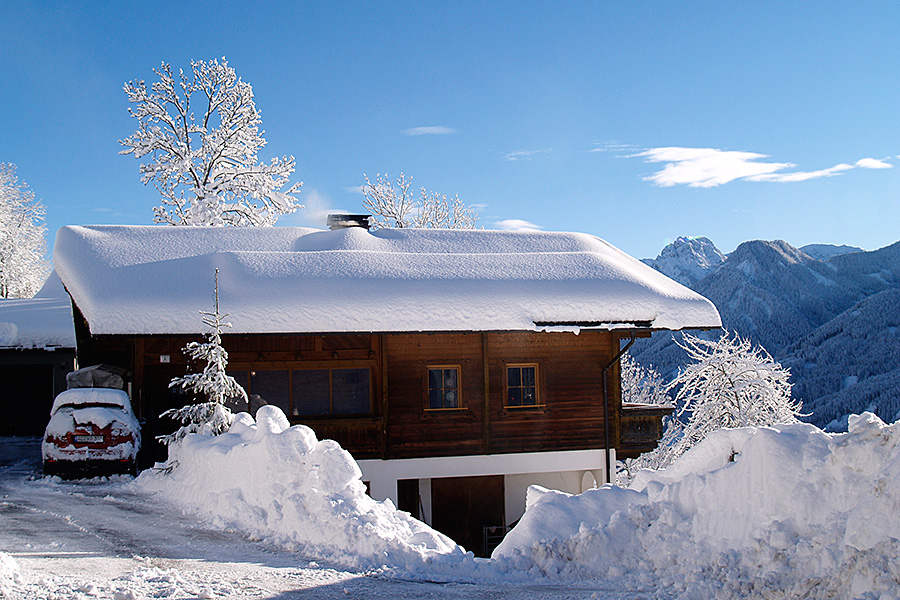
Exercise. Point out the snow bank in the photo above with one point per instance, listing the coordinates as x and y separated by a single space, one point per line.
8 571
769 512
279 482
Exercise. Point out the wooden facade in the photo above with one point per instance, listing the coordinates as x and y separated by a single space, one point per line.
398 423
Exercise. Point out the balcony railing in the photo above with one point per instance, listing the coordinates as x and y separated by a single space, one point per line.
641 428
361 436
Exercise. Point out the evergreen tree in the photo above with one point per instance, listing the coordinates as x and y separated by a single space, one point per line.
211 417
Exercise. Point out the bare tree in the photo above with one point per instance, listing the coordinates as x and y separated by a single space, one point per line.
204 164
731 383
392 204
23 246
642 385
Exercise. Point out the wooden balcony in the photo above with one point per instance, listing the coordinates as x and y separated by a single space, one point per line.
641 428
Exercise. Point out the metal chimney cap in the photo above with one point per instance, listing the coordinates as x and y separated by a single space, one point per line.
341 221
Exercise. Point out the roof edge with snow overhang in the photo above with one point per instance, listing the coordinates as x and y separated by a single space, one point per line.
153 280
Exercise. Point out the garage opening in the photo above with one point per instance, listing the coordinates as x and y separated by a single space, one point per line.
26 399
464 508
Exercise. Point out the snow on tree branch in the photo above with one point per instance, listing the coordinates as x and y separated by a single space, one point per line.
23 247
729 384
642 385
392 204
204 164
211 417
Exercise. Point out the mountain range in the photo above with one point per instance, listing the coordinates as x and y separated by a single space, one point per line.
829 313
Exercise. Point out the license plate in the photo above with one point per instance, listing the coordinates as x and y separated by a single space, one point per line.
89 439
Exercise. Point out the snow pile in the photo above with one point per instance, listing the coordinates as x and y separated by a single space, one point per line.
768 512
279 482
8 571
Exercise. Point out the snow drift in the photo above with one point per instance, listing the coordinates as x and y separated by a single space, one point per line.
279 482
770 512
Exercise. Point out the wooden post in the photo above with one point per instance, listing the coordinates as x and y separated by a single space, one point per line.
485 361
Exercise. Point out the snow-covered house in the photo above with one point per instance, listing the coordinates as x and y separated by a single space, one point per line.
37 350
457 366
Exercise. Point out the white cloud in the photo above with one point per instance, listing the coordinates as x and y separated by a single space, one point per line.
873 163
706 167
524 154
613 147
431 130
711 167
516 225
802 175
354 189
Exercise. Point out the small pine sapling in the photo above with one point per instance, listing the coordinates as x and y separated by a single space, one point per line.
211 417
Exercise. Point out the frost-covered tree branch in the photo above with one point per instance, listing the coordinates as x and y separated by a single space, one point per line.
730 383
204 164
392 204
23 247
211 417
642 385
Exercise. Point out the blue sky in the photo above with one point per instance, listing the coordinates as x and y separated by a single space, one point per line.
635 121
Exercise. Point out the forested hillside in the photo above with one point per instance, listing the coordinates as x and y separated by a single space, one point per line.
833 322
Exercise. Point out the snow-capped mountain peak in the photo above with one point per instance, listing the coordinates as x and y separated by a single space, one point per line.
687 260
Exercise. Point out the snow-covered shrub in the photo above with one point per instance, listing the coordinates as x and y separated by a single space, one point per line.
730 383
642 385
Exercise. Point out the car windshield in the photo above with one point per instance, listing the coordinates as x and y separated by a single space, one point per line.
92 405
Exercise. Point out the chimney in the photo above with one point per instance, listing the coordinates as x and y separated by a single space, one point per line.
344 221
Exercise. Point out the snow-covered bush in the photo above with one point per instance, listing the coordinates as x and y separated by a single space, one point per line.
204 161
211 417
393 205
730 383
23 249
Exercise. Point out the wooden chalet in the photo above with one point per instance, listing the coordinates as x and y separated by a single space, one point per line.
458 367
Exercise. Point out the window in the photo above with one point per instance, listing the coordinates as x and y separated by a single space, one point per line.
332 392
522 385
270 387
443 387
307 392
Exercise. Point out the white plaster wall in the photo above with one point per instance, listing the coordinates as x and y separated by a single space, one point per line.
566 471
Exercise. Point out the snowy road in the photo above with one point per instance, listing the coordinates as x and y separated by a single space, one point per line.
99 539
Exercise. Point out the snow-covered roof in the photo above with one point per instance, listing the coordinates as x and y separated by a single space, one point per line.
155 279
44 321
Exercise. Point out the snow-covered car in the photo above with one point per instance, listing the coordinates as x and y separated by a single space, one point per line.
92 431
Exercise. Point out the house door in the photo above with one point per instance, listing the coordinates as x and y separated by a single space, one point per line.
462 507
